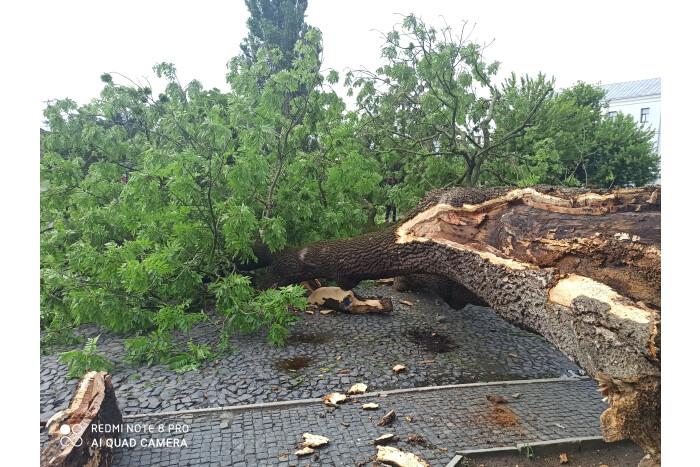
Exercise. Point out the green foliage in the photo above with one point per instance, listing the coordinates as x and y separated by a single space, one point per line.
81 361
274 25
245 311
570 142
429 113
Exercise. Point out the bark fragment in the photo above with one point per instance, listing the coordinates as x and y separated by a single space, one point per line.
346 301
387 419
399 458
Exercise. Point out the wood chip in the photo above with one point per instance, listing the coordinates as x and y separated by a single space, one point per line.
359 388
387 419
342 372
563 458
334 399
427 361
370 406
406 302
409 419
312 441
399 458
309 312
339 357
325 312
383 395
513 355
384 439
398 368
516 395
303 452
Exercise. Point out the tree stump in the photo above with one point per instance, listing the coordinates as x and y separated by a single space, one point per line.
76 438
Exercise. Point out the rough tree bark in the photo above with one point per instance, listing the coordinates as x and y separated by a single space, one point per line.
580 267
75 436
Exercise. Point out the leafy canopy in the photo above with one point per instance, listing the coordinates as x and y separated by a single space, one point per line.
151 205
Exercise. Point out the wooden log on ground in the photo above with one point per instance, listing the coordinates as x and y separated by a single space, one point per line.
76 440
580 267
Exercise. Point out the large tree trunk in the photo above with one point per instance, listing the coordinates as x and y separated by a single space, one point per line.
580 267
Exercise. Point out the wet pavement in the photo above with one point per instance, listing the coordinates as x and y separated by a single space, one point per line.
369 346
472 346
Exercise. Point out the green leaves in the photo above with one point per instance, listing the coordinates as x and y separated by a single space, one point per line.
80 362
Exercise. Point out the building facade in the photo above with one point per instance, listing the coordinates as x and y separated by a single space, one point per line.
640 99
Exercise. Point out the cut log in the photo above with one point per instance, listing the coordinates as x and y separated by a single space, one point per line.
580 267
75 437
346 301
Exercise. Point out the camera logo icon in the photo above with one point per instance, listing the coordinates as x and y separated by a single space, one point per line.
71 435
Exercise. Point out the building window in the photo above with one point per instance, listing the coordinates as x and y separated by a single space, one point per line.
612 114
645 115
479 139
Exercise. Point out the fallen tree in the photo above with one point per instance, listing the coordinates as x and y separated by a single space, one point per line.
580 267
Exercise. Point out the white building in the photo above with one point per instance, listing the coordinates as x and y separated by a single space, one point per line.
640 99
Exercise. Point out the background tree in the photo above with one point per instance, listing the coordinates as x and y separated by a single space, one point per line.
274 24
434 105
570 141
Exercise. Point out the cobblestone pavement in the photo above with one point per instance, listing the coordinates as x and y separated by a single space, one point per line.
369 346
447 419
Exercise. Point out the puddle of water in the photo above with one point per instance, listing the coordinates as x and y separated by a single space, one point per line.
431 340
293 364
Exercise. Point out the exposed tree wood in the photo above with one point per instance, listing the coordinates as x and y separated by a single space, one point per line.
359 388
333 399
313 441
385 439
580 267
346 301
399 458
310 286
76 441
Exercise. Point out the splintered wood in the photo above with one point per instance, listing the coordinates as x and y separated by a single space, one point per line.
334 399
384 439
346 301
71 431
387 419
303 452
359 388
312 441
399 458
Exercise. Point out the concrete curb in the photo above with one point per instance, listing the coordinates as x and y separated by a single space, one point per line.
305 402
552 447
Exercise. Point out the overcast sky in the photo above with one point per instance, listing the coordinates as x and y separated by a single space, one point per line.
595 41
